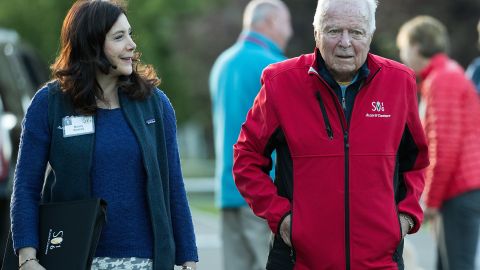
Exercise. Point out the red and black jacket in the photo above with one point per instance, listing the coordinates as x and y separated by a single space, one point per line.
344 182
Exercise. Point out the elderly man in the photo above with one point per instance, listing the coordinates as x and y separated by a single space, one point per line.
452 117
351 151
234 83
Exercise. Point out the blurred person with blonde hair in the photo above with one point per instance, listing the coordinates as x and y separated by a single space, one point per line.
234 83
452 124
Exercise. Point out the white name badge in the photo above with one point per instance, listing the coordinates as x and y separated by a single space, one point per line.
77 125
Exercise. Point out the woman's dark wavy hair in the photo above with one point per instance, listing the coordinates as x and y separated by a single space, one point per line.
81 55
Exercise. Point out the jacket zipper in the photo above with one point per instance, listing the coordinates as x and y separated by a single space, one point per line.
347 199
328 127
346 146
346 149
345 128
344 103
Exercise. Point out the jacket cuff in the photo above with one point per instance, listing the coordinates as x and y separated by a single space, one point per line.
416 222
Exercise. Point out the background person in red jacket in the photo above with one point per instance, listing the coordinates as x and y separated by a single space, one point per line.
350 150
452 125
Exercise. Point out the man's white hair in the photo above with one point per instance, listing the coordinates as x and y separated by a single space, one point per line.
322 6
259 10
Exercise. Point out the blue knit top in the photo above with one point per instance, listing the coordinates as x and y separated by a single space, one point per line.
118 176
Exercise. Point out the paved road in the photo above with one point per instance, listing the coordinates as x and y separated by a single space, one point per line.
420 246
209 243
208 240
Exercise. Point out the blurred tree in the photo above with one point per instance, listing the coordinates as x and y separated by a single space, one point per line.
162 30
460 18
37 22
155 25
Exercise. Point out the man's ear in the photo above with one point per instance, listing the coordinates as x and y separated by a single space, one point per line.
415 47
371 37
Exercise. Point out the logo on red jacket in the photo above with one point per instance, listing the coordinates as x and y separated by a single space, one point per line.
378 111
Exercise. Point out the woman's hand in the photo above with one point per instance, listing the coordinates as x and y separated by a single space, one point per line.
192 265
27 259
32 265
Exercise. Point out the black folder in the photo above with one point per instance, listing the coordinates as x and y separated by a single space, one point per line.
68 234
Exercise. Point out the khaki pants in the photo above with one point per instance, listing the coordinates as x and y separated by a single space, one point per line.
246 239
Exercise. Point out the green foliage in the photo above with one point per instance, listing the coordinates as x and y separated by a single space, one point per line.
154 25
37 22
182 38
157 28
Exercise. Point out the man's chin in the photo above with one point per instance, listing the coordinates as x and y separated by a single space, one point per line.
343 74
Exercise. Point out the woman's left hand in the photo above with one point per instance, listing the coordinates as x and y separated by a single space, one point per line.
192 265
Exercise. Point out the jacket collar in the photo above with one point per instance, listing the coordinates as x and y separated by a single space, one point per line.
436 61
261 40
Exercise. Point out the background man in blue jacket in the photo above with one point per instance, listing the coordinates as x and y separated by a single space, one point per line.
473 70
234 83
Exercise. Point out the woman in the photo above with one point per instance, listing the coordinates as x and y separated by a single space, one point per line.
124 152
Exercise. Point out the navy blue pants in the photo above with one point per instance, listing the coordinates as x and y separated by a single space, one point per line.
457 243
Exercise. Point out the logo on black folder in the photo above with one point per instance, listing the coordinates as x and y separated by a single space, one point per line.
54 240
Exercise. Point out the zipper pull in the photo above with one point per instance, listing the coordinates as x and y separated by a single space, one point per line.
344 103
345 138
329 132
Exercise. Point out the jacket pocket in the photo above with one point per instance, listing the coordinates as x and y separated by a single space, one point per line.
398 255
292 248
398 252
279 255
